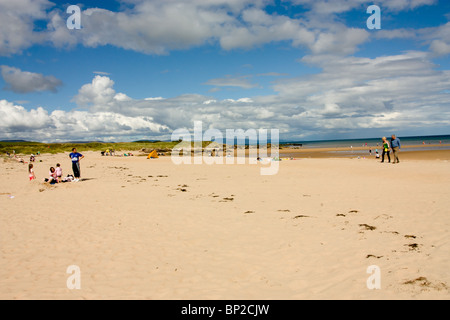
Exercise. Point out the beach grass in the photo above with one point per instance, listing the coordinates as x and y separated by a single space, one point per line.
27 147
54 148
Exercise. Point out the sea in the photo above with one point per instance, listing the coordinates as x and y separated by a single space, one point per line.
405 141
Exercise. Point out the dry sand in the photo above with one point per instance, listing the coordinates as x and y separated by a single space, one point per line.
148 229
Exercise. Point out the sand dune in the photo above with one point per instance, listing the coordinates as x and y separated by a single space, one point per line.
147 229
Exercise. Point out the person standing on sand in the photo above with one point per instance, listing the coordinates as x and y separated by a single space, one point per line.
31 174
395 145
59 171
76 157
385 150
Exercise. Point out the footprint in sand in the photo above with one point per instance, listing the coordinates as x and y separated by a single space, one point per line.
392 232
424 283
384 216
367 227
227 199
248 212
373 256
286 210
300 216
413 246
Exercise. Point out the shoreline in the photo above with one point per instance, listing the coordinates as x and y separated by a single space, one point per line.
408 152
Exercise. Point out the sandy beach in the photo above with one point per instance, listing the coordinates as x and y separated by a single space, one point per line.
149 229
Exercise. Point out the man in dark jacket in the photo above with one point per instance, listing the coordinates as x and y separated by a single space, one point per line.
395 145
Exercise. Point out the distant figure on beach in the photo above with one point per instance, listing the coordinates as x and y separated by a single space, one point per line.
377 155
31 174
76 157
386 150
395 145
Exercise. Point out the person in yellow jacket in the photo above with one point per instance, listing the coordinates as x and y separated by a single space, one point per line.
386 150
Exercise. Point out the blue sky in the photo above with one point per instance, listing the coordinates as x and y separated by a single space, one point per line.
141 69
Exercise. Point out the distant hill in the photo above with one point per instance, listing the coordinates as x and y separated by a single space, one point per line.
81 142
147 141
14 141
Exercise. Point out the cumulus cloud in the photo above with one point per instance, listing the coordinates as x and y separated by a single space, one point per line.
367 93
99 92
158 27
25 82
17 24
325 7
437 38
349 95
15 118
38 124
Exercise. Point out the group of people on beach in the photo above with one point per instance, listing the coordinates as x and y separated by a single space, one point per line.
56 174
394 146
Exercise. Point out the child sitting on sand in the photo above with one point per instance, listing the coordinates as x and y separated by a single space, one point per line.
53 177
31 174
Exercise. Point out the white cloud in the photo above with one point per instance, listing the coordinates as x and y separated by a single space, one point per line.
326 7
99 92
24 82
101 73
439 38
16 121
157 27
17 24
17 118
349 94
